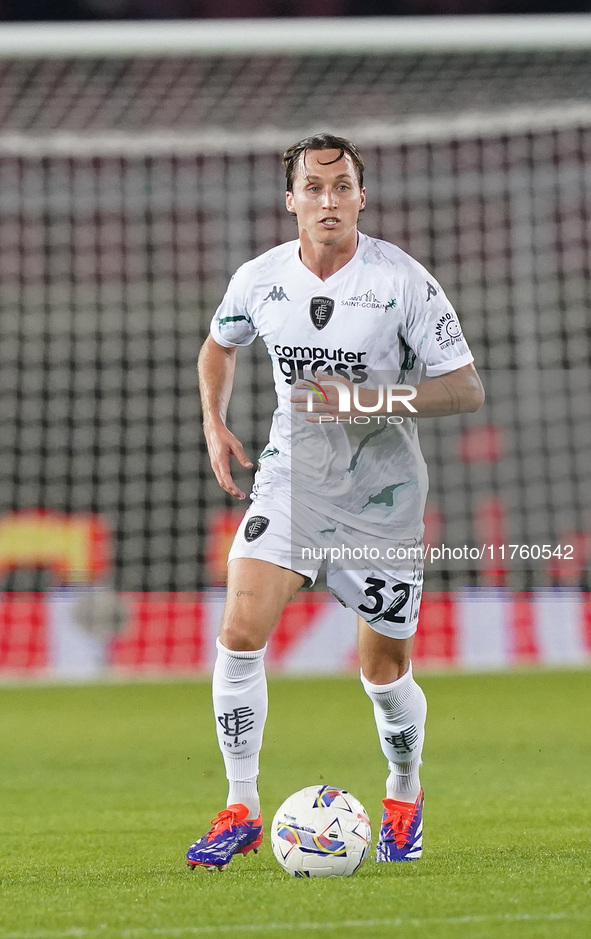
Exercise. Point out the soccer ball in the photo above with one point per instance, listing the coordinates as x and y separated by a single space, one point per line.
321 831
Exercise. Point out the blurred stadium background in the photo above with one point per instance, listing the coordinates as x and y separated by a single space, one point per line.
140 164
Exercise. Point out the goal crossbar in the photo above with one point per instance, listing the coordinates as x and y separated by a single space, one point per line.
349 35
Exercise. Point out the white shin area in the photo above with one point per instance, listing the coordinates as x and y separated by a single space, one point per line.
240 706
400 711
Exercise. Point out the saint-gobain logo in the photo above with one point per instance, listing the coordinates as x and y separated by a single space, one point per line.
402 393
255 527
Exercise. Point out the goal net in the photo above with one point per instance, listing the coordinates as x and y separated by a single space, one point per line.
140 167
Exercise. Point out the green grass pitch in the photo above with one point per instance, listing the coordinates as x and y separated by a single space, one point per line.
102 789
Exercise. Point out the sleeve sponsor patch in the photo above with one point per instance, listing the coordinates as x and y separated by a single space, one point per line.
448 330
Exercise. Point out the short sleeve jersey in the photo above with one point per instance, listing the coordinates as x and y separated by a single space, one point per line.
382 314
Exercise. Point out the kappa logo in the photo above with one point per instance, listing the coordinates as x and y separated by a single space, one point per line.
255 527
321 310
278 293
431 291
368 301
448 330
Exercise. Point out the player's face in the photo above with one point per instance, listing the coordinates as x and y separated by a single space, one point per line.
326 196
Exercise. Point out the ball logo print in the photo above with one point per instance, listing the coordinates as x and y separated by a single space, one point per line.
255 527
325 843
328 796
321 310
321 831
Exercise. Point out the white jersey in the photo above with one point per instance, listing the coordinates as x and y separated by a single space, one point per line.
382 318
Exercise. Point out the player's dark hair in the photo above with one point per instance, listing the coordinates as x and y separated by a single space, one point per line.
321 142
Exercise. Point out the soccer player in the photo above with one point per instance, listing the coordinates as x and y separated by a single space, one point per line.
359 334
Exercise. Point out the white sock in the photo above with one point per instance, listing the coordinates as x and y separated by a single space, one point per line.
240 707
400 710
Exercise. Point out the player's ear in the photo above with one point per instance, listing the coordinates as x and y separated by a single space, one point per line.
362 203
289 202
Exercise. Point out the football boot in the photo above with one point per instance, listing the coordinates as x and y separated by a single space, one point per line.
231 833
401 834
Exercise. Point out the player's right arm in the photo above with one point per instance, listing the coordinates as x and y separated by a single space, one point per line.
216 376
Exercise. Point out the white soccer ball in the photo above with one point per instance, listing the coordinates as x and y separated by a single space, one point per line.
321 831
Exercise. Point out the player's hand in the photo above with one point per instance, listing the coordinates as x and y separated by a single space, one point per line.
221 444
324 397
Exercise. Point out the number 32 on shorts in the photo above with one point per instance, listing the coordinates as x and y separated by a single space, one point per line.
375 585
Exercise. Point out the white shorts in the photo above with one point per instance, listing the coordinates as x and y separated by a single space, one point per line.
380 580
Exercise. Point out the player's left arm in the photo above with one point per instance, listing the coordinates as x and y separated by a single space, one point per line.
455 392
431 328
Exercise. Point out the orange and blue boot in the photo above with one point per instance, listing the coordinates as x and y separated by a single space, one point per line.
231 833
401 834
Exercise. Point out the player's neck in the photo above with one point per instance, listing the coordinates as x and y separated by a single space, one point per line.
325 260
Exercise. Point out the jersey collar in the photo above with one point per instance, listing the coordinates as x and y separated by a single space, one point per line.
334 278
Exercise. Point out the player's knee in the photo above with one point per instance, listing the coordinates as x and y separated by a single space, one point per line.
240 636
383 670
